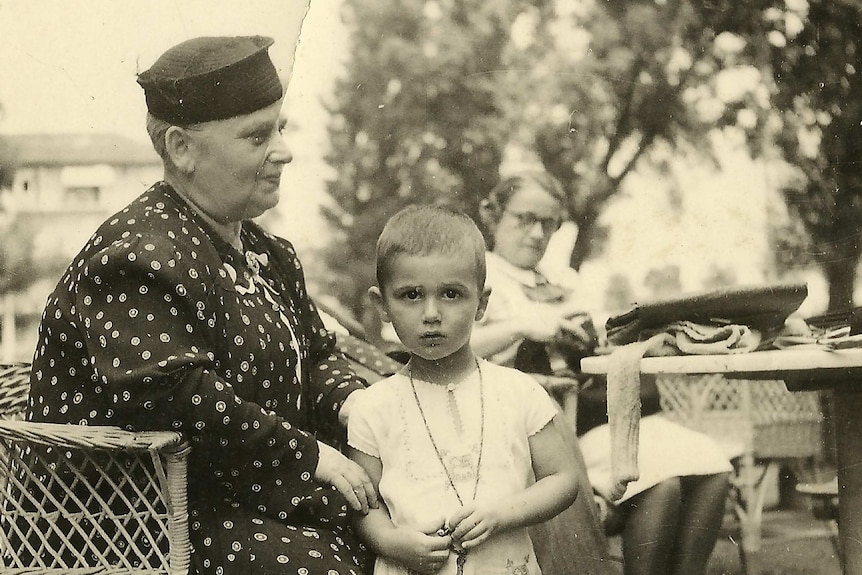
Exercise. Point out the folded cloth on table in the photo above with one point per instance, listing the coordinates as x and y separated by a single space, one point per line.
763 308
701 339
851 318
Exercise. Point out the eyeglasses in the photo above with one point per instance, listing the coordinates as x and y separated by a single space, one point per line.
526 221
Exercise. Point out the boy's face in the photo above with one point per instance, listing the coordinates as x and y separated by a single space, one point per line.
432 302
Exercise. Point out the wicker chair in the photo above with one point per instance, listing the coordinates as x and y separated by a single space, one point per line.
770 424
87 499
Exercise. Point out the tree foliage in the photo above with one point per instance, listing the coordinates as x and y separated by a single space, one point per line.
805 110
815 55
662 75
628 83
437 92
417 118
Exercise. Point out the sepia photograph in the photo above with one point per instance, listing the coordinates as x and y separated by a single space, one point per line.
499 287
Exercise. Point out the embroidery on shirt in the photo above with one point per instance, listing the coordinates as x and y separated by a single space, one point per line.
521 569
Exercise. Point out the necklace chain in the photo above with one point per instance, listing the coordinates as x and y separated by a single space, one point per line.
434 443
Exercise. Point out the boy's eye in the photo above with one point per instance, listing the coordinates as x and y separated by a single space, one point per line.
411 294
451 293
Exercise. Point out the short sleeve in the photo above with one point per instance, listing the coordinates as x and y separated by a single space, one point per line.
363 427
538 407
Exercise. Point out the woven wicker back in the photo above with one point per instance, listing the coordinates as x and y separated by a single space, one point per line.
769 420
79 499
14 385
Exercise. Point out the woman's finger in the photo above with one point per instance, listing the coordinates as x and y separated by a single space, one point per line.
344 487
363 488
362 497
370 493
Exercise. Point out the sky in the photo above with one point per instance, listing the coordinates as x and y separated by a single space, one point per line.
70 66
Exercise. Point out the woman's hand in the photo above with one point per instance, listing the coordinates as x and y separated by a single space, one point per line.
579 326
550 325
347 477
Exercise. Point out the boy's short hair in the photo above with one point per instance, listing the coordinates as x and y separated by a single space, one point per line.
422 230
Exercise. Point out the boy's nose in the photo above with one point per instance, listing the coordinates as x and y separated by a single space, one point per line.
431 313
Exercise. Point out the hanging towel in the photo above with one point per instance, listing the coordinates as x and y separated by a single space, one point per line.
624 408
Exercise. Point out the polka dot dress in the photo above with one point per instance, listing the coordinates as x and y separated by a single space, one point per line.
159 324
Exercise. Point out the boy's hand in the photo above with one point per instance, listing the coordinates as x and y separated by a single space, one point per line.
472 525
424 550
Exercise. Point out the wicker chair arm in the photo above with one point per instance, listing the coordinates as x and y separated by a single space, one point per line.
91 437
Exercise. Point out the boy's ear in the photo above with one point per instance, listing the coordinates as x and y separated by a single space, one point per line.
377 301
483 303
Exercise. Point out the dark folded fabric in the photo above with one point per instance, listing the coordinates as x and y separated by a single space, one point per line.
763 307
848 317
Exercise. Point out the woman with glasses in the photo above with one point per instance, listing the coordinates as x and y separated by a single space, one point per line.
533 319
533 322
670 517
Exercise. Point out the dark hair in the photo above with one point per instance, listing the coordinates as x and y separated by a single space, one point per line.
499 197
423 230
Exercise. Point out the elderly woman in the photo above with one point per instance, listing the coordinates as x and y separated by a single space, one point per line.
673 514
182 314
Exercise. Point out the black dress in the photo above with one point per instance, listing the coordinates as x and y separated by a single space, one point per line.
158 324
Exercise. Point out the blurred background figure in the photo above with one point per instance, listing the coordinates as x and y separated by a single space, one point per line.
674 513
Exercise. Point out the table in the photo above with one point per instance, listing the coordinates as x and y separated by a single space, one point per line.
801 368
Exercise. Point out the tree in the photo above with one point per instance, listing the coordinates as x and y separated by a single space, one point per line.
417 118
814 52
652 84
438 91
627 85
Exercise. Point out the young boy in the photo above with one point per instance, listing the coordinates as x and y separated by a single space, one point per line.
462 451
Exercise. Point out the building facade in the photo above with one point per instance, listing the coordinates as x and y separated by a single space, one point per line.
64 186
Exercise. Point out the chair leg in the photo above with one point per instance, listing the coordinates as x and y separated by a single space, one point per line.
750 494
743 560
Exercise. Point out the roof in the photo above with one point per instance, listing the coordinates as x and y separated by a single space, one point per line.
79 149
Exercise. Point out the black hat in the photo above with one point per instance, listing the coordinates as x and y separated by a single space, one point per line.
211 78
